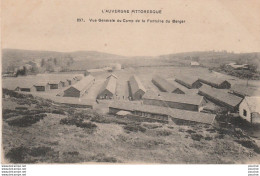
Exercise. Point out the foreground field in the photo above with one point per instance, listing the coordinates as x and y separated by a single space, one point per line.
40 131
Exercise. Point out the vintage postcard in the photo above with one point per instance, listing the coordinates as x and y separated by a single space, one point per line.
135 82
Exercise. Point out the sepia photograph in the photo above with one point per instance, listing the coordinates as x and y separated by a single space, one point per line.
87 82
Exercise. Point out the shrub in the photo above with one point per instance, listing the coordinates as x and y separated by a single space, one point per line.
163 133
21 108
249 144
190 131
39 151
134 128
58 111
208 138
103 158
88 125
196 137
26 120
71 157
78 122
70 121
23 154
108 160
17 154
211 130
12 93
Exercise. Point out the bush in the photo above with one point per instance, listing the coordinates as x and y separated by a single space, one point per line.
196 137
70 121
163 133
21 108
58 111
39 151
26 120
249 144
190 131
134 128
88 125
208 138
17 155
12 93
23 154
78 122
103 158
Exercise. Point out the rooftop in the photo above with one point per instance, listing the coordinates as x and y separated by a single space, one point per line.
110 85
175 113
187 79
221 95
136 84
180 98
83 83
169 87
245 90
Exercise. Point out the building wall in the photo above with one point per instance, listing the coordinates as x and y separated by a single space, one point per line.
25 89
151 115
65 83
71 92
225 85
255 117
79 105
105 95
115 110
40 88
87 87
243 106
196 85
138 95
178 91
175 105
55 86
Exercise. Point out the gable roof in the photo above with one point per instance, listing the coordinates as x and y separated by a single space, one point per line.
112 75
179 98
164 84
245 90
136 84
42 83
54 81
83 83
79 77
212 79
110 85
253 103
221 95
25 84
174 113
187 79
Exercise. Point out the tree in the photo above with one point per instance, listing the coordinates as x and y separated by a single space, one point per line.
55 61
249 75
43 63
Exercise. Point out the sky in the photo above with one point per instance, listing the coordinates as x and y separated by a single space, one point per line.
231 25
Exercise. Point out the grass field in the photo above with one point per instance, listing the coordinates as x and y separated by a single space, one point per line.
118 140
